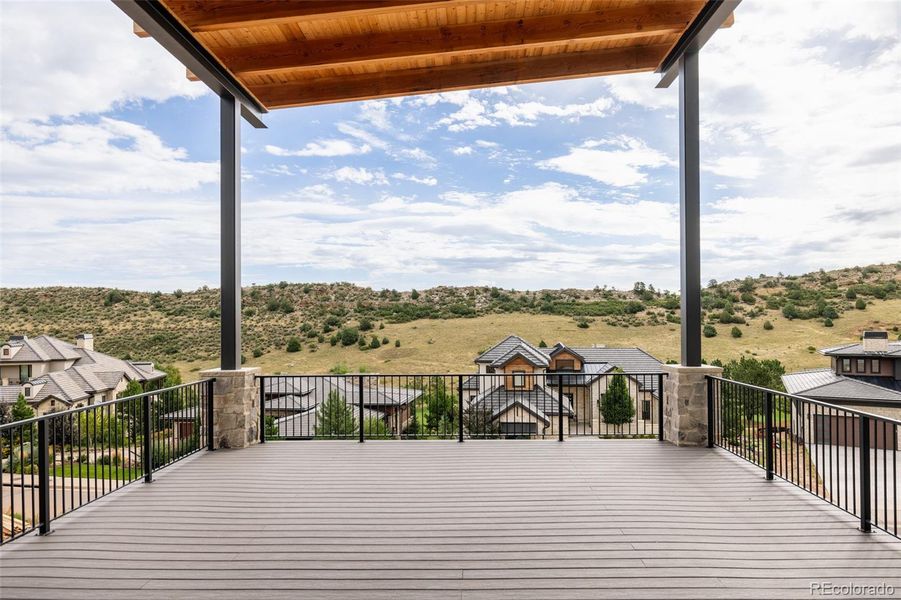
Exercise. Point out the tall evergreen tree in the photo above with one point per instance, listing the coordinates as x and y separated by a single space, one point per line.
336 417
21 410
616 404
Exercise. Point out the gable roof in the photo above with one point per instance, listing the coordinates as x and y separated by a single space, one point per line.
508 344
856 349
530 356
497 400
561 347
820 386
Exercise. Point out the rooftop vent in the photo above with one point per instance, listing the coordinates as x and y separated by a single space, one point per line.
875 341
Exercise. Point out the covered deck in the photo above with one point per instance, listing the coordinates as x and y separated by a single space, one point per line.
438 519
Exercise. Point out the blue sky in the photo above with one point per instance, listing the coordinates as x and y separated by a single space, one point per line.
108 172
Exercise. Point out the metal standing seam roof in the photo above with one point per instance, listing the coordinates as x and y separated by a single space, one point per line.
849 389
856 349
797 383
499 399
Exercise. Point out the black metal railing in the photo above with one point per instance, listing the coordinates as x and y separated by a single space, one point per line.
845 456
461 406
58 462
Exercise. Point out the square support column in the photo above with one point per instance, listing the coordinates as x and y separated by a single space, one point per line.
685 404
230 232
689 210
236 407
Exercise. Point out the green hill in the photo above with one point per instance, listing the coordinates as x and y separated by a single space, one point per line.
446 326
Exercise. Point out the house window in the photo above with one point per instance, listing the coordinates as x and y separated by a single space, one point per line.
6 352
646 410
24 372
518 430
875 366
569 399
52 402
846 365
26 391
566 365
519 379
861 365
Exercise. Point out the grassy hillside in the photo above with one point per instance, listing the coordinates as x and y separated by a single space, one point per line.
441 329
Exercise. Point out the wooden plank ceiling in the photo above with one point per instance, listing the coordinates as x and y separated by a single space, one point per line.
304 52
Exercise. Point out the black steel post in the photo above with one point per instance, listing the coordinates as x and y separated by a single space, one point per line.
148 442
560 408
711 415
690 209
660 407
230 231
262 410
768 421
362 420
865 502
460 408
43 477
210 441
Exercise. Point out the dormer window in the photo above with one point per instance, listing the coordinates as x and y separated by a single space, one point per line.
6 351
519 379
566 365
26 391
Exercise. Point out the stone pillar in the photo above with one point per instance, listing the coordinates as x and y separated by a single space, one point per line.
236 407
685 404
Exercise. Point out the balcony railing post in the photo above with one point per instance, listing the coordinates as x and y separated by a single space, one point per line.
660 407
210 442
460 408
362 420
768 421
148 441
43 477
711 415
262 410
865 508
560 408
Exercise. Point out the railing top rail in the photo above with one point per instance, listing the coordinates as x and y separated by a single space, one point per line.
847 409
548 374
100 404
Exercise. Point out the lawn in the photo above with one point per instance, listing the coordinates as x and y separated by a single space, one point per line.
97 471
449 346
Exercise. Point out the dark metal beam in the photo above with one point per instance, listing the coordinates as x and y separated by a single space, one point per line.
709 20
152 17
230 232
690 210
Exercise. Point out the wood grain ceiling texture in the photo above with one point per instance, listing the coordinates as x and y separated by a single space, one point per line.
307 52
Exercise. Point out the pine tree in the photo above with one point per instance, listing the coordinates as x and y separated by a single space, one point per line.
616 405
335 418
21 410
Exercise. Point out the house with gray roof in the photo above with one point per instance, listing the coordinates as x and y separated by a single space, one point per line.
55 375
874 359
518 386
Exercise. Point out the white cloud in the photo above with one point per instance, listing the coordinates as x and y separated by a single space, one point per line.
322 148
621 161
358 175
375 112
92 158
363 135
527 113
430 181
739 167
462 150
74 58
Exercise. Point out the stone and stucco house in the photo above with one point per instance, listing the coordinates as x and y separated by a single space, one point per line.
55 375
517 386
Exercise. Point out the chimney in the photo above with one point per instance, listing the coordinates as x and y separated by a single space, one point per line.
84 341
875 341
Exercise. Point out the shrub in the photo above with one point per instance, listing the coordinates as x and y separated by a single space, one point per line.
851 294
748 298
385 341
374 343
616 404
736 332
349 336
365 324
333 340
293 345
375 428
860 304
257 353
827 323
582 323
767 325
709 331
414 295
397 343
542 344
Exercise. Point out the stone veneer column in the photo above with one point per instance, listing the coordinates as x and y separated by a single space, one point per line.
685 404
236 407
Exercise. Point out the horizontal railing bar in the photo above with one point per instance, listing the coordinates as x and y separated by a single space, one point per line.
73 411
805 399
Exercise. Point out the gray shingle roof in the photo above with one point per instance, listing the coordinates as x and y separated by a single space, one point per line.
524 351
505 346
894 349
498 399
629 360
318 388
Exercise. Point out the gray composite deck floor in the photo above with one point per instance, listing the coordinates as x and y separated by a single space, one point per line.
482 519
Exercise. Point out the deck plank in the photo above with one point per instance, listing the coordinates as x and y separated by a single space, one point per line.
492 519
